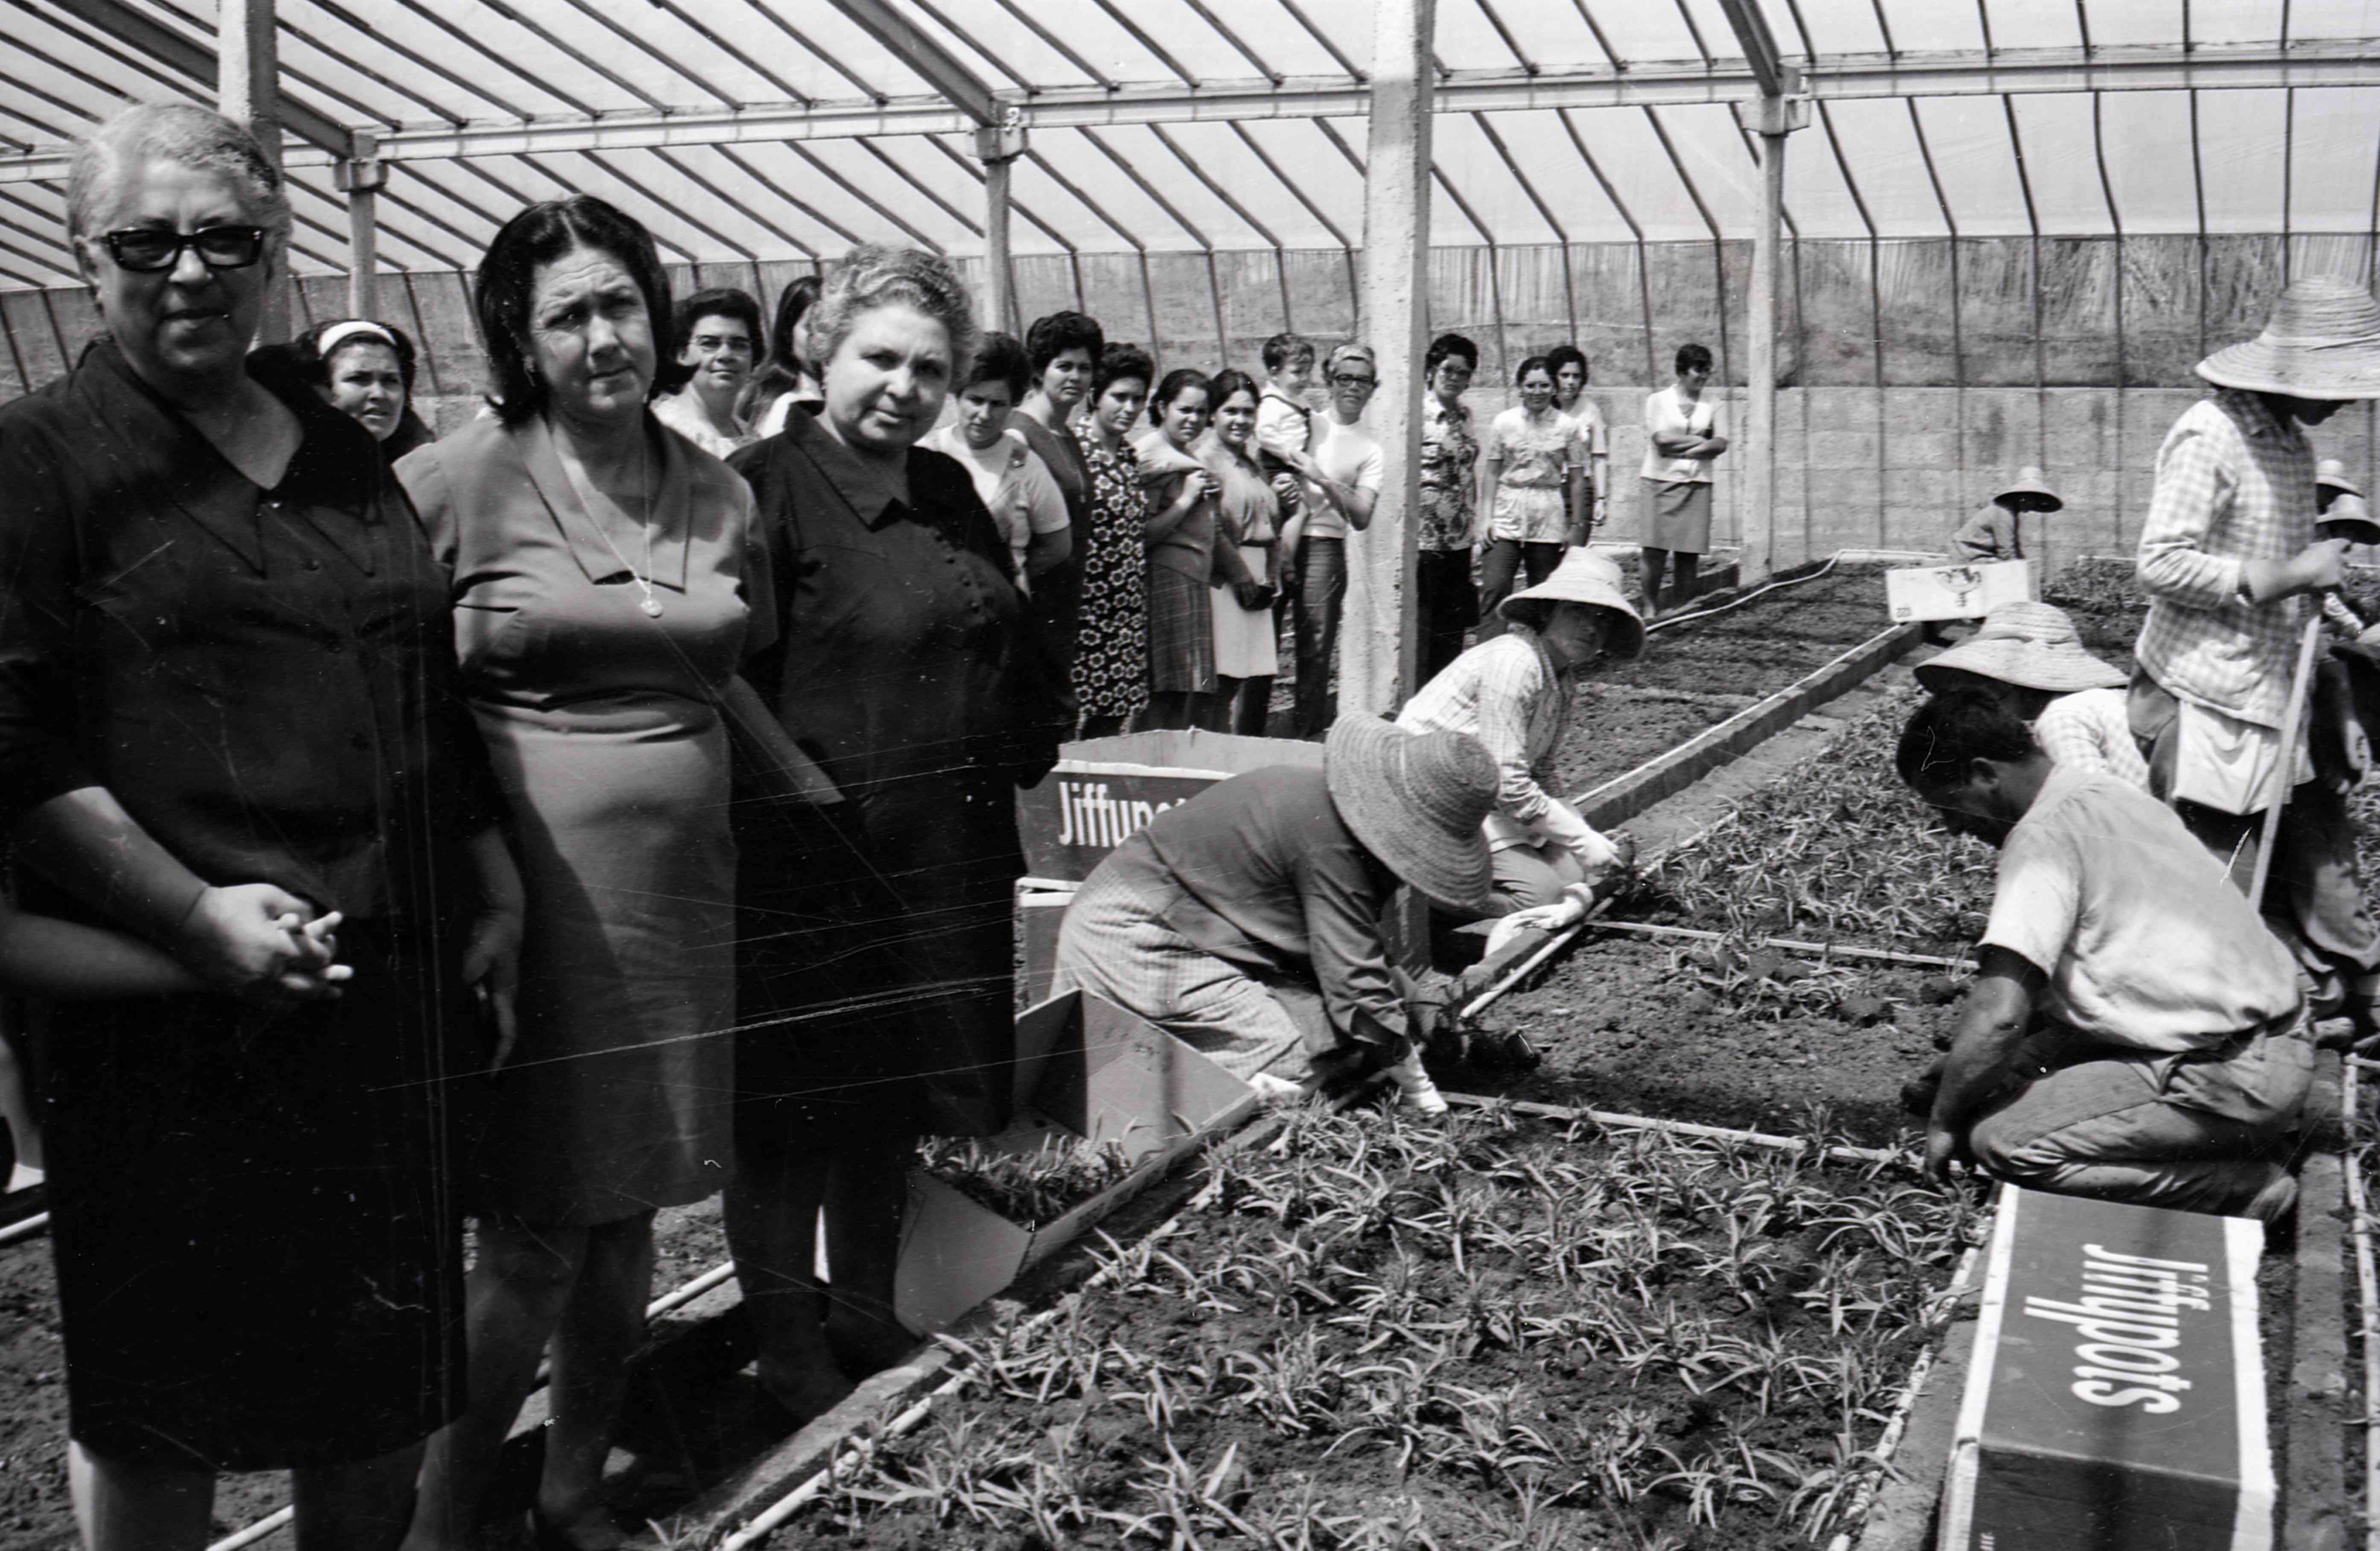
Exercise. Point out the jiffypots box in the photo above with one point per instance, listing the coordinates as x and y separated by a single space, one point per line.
1103 789
1956 591
2117 1399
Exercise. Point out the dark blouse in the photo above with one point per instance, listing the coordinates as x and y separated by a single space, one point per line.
903 653
264 679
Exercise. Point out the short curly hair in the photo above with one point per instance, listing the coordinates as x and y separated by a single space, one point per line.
1052 336
878 274
1119 361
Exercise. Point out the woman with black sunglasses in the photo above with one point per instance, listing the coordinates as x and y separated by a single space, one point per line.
229 724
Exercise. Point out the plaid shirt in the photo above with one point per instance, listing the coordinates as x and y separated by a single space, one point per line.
2235 483
1506 693
2090 730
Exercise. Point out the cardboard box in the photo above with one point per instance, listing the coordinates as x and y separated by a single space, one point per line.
2117 1397
1085 1069
1039 912
1103 789
1956 591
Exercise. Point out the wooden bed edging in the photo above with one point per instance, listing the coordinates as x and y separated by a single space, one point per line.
1162 1192
1624 797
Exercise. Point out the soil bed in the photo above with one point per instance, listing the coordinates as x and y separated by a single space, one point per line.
1755 1040
1694 676
1477 1331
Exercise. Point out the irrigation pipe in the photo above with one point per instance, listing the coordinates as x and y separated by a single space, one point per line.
1667 620
1615 1121
2359 1229
677 1298
1879 955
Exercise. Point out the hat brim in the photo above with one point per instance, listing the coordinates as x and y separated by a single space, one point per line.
1364 763
2024 665
2339 482
2355 530
1627 637
2345 372
2039 493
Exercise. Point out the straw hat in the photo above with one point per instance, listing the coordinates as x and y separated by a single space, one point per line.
2322 342
1585 577
2332 472
2031 481
2031 645
1416 801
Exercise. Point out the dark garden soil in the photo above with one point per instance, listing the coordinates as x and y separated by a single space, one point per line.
1699 1032
2104 599
1765 645
34 1510
1614 729
1474 1332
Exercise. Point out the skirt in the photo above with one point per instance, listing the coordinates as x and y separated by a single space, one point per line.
1678 515
1180 634
874 965
1247 641
260 1248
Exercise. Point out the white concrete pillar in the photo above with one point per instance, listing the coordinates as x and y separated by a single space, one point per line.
997 147
1379 643
361 178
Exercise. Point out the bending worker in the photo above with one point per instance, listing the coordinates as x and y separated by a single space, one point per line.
1246 921
1512 692
2028 658
2230 561
1997 531
2133 1033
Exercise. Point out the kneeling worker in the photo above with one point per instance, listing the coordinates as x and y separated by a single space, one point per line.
1246 921
2135 1034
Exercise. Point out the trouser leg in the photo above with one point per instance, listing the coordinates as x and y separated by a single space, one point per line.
1448 606
1538 560
1498 566
2103 1129
1315 609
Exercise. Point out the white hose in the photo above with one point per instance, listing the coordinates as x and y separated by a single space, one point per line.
1668 620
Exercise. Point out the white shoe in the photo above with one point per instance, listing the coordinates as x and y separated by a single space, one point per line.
1414 1089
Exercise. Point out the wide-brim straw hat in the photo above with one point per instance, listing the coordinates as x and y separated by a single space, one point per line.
1585 577
2322 342
2031 481
2332 472
1416 801
2032 646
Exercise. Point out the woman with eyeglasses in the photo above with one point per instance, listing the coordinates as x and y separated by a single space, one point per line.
1449 601
719 336
231 724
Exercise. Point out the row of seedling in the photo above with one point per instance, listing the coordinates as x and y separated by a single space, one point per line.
1489 1331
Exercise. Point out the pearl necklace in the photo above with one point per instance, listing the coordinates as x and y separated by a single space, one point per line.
652 606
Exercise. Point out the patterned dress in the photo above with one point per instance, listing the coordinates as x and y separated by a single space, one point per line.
1111 676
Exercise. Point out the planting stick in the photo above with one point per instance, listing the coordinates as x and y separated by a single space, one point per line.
1791 945
1678 1128
1552 945
2358 1228
24 1230
2290 723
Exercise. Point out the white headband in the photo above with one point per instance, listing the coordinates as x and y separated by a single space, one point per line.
340 333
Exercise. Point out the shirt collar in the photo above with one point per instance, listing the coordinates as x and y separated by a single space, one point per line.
2258 421
868 490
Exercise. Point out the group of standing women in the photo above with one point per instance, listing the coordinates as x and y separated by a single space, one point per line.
1539 482
387 822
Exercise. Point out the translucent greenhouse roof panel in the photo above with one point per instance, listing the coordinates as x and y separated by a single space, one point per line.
2332 153
1858 163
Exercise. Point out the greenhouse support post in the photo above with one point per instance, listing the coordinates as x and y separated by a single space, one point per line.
1381 644
247 90
361 178
1777 118
998 146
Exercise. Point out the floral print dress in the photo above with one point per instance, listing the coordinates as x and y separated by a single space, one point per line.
1111 663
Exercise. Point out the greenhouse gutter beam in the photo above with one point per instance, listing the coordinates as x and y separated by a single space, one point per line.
195 60
1840 77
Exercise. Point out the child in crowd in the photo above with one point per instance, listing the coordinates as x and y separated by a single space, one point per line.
2029 661
1284 421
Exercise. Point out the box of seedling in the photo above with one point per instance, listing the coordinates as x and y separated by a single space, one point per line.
1105 1102
1104 789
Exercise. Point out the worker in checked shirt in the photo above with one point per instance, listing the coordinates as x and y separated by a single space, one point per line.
2232 566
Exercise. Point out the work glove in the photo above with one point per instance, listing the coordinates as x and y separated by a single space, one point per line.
1561 824
1548 918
